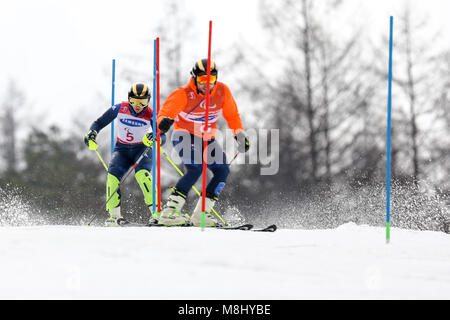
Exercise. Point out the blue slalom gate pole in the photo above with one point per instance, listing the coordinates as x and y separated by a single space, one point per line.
388 136
112 101
154 132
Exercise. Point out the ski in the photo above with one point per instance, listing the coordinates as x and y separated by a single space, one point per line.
239 227
133 224
243 227
271 228
249 227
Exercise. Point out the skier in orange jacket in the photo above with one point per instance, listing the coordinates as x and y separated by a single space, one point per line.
185 108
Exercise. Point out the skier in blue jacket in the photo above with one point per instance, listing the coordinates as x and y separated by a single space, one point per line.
134 121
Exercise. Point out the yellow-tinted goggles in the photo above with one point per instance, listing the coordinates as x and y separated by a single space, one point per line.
139 102
203 79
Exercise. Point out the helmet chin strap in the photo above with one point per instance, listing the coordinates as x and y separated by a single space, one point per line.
194 77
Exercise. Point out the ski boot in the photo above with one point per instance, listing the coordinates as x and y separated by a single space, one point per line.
210 220
171 214
115 219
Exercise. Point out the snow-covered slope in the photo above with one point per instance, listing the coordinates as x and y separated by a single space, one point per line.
349 262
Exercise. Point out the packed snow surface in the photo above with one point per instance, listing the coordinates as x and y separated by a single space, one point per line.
349 262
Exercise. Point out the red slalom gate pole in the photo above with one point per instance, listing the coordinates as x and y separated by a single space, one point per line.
206 129
158 137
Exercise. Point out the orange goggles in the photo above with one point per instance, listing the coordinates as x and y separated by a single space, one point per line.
139 102
203 79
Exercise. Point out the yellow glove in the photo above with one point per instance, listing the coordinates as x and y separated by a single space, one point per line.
148 139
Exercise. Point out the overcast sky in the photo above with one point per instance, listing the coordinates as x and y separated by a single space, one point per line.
60 51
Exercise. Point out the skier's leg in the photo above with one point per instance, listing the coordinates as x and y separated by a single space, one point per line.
220 172
113 205
219 179
116 170
213 189
171 213
144 178
193 172
219 168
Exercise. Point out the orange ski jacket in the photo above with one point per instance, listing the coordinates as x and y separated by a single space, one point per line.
188 108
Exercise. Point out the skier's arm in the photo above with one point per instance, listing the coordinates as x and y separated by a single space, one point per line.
231 114
105 119
148 137
100 123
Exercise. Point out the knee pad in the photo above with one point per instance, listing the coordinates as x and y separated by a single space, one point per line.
144 180
217 191
112 183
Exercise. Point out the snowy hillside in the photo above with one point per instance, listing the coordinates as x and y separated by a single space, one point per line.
349 262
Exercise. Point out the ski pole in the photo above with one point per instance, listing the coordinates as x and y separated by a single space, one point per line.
94 146
235 156
193 187
154 128
100 157
123 179
113 86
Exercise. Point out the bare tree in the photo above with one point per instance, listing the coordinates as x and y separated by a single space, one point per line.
414 73
306 48
318 89
9 126
175 30
438 166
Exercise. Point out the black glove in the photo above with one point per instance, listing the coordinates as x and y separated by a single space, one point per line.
91 135
242 141
165 124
